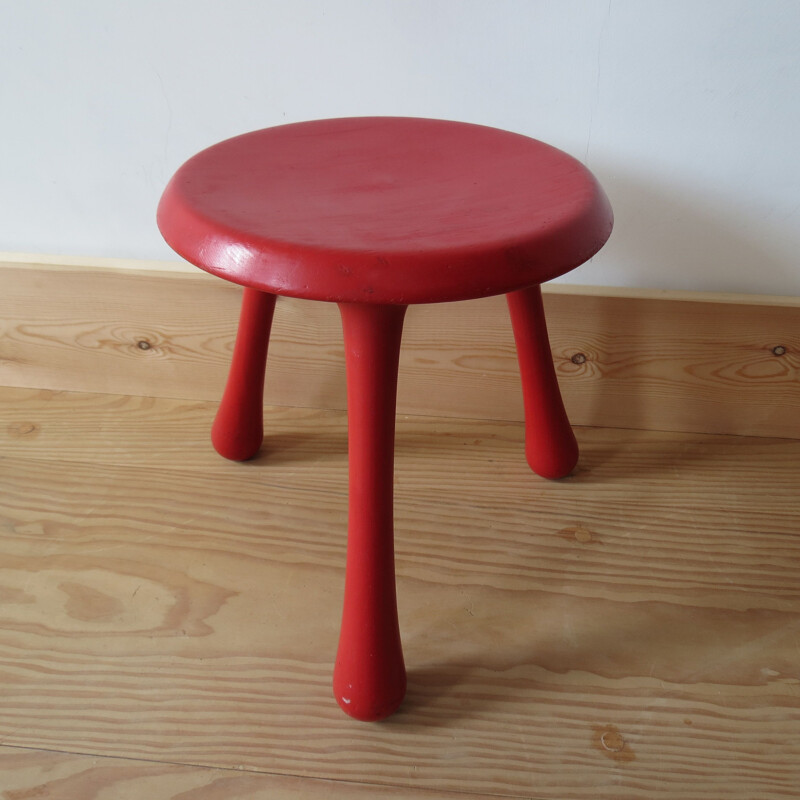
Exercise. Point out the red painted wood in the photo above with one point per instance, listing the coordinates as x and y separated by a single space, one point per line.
376 213
550 445
384 210
239 425
370 679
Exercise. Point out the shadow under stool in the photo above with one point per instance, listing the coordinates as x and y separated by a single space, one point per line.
375 214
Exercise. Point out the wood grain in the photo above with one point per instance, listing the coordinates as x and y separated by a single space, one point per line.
630 632
44 775
663 361
630 473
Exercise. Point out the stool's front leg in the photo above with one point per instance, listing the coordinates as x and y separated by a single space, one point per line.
369 681
239 425
550 445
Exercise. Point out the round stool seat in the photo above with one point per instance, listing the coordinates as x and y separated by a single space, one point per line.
387 210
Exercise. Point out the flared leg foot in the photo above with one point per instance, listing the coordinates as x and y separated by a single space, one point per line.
239 425
369 680
550 445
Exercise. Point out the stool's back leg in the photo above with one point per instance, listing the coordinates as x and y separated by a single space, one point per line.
370 679
239 425
550 445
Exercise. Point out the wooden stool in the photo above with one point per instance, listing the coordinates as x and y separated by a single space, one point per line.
375 214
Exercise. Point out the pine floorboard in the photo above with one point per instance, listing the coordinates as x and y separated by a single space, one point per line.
168 620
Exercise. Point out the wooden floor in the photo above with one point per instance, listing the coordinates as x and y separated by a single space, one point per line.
169 620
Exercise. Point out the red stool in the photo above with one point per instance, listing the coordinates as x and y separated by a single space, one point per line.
375 214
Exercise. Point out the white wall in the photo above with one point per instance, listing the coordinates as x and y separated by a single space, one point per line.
687 110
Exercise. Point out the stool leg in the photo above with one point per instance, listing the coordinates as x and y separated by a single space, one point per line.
550 445
239 425
369 680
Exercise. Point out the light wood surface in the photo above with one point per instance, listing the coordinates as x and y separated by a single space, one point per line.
45 775
632 631
664 361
